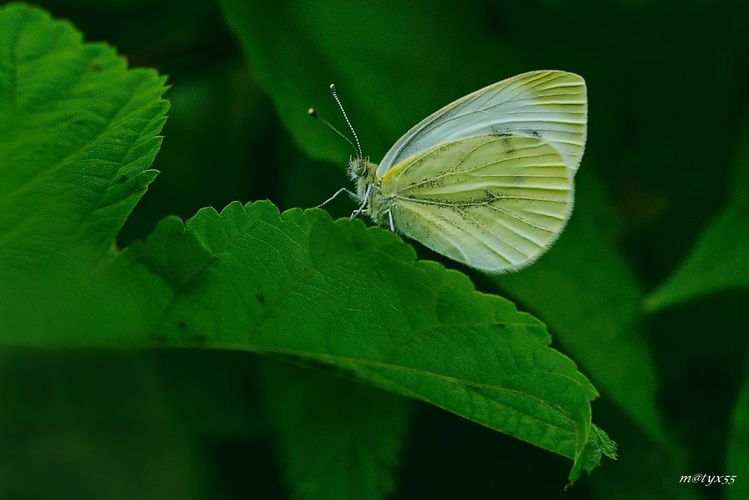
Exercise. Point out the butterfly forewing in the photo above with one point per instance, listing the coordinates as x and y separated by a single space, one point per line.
551 105
492 202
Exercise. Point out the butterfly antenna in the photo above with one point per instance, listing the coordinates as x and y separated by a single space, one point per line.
325 122
345 116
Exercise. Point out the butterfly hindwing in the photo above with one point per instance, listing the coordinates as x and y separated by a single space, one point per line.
493 202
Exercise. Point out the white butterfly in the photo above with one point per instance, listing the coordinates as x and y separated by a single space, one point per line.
488 179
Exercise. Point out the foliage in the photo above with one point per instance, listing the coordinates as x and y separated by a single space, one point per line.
309 339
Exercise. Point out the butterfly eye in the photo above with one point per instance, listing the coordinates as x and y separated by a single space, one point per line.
357 168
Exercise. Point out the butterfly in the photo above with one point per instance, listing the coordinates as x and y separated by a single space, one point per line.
487 180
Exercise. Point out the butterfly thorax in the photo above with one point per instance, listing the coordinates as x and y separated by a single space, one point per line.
364 173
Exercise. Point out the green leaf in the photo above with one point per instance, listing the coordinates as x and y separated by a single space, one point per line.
62 142
719 260
78 132
298 285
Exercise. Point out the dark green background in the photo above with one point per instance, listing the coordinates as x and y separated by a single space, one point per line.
668 100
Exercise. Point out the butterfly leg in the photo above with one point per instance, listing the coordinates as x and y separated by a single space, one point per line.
342 190
363 205
390 219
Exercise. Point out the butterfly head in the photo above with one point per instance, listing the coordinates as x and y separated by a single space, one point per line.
362 172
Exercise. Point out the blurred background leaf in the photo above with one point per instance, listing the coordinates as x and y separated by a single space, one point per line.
719 259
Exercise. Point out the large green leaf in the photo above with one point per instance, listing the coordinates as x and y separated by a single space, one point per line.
78 132
297 284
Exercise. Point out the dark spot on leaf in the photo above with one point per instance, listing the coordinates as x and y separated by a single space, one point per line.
198 338
379 275
181 325
79 121
260 298
121 179
96 67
